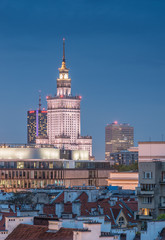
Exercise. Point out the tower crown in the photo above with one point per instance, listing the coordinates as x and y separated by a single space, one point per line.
63 82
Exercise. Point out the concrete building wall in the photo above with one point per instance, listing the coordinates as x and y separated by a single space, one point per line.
130 233
126 180
153 229
3 234
151 192
148 199
151 150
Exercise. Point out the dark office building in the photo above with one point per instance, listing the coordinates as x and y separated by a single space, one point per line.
118 137
36 125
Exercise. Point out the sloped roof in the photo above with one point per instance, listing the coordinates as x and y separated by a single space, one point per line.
62 234
162 234
68 207
36 232
107 211
27 232
111 212
86 208
101 206
128 214
83 197
49 209
133 205
116 211
59 198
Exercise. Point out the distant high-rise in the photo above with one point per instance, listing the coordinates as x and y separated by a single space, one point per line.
36 125
118 137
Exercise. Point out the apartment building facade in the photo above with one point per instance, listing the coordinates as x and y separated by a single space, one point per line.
151 190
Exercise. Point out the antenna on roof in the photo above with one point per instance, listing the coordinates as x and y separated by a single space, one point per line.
39 100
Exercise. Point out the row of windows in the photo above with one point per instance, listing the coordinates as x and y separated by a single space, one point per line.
147 187
29 183
147 200
53 165
31 174
32 165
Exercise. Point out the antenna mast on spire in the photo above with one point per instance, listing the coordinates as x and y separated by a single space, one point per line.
63 59
39 100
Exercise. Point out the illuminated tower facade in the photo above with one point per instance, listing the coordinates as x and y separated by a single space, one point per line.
63 118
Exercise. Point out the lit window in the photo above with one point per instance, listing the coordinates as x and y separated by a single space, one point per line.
20 164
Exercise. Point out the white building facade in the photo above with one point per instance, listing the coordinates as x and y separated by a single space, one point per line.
63 116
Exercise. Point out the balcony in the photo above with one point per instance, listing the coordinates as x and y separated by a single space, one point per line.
147 192
144 217
162 206
140 192
162 181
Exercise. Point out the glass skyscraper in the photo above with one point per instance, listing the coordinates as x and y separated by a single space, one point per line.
36 125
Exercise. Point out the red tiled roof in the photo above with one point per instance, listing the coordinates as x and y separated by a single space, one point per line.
83 197
35 232
102 206
27 232
111 212
107 211
68 207
133 205
62 234
59 198
128 214
116 211
87 207
49 209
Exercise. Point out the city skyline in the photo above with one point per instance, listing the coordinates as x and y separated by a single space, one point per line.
116 65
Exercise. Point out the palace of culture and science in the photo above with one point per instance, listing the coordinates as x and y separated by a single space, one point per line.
63 116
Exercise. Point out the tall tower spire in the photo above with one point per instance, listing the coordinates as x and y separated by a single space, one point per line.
63 58
63 81
63 50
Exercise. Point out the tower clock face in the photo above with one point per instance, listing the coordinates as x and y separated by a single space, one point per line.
60 76
65 75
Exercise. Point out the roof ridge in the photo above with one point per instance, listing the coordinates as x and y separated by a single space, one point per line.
126 206
113 216
53 200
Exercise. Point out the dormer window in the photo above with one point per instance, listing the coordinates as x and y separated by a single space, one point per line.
121 221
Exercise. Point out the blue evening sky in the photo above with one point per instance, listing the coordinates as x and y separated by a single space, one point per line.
115 50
